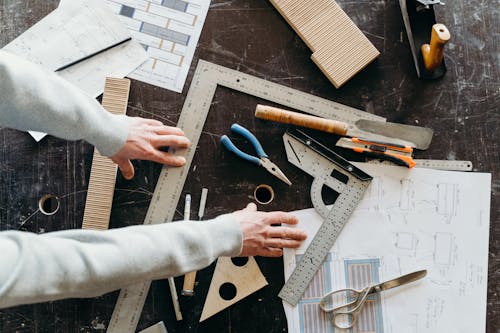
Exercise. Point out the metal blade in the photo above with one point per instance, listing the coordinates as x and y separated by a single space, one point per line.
274 170
414 136
404 279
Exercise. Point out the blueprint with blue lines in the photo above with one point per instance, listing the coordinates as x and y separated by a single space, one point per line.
408 220
169 31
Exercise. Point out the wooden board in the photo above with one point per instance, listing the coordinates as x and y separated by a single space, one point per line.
247 279
339 48
103 173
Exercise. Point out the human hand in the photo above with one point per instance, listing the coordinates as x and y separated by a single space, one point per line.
262 238
145 138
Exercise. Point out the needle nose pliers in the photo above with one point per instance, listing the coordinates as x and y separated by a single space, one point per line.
261 160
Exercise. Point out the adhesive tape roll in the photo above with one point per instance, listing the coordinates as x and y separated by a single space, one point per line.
263 194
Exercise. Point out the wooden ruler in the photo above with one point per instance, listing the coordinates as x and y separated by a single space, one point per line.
340 49
192 119
103 173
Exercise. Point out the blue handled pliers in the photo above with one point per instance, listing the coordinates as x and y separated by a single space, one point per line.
261 160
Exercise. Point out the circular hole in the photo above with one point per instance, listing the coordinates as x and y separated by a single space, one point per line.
237 80
48 204
264 194
239 261
227 291
441 30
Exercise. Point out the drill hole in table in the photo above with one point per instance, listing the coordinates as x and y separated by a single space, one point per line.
49 204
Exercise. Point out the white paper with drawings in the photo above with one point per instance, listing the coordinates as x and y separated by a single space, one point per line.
74 30
407 220
169 30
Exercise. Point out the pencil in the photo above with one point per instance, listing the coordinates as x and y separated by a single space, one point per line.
91 55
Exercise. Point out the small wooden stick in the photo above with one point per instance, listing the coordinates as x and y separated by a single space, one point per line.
433 53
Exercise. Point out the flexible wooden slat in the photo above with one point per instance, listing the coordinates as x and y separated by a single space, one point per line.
339 48
103 173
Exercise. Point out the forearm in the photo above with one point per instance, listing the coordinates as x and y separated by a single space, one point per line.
32 98
80 263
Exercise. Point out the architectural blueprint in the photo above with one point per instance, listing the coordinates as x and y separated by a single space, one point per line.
74 30
169 31
408 220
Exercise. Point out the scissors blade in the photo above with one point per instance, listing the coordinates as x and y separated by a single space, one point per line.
273 169
404 279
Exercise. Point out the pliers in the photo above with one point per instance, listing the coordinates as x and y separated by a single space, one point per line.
261 160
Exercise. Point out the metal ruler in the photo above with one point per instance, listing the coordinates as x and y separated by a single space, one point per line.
448 165
328 169
192 119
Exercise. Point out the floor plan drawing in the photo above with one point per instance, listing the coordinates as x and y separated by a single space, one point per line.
407 221
169 31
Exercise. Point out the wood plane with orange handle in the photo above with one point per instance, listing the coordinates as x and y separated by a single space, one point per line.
426 37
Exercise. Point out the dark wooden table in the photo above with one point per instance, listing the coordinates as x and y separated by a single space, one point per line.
250 36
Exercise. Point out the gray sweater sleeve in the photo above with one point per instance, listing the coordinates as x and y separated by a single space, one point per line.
84 263
32 98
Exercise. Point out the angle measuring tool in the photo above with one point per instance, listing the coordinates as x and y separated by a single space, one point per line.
328 169
194 112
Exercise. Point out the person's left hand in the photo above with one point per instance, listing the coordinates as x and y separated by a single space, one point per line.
145 138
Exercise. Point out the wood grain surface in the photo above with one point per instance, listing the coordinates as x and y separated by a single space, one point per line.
251 36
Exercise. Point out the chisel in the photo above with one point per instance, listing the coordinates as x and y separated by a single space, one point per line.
397 134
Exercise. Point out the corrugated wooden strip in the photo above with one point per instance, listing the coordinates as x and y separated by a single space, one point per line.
103 173
339 48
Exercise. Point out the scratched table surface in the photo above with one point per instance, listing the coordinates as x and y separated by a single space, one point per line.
251 36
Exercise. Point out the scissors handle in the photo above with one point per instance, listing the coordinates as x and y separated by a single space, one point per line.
345 316
231 147
250 137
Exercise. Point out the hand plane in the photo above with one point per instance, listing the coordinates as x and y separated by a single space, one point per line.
420 22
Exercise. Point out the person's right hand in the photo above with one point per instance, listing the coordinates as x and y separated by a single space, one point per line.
263 234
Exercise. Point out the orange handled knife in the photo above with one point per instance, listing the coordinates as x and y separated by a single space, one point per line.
398 154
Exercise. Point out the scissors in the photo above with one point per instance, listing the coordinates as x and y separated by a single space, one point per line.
344 305
261 160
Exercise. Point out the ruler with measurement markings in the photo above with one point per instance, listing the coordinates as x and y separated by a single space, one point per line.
331 170
192 119
448 165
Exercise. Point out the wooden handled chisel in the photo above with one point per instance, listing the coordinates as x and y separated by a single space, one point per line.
396 134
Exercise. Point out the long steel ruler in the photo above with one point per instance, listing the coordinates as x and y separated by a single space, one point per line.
447 165
328 169
192 119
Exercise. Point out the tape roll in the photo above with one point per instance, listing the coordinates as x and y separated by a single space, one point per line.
263 194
